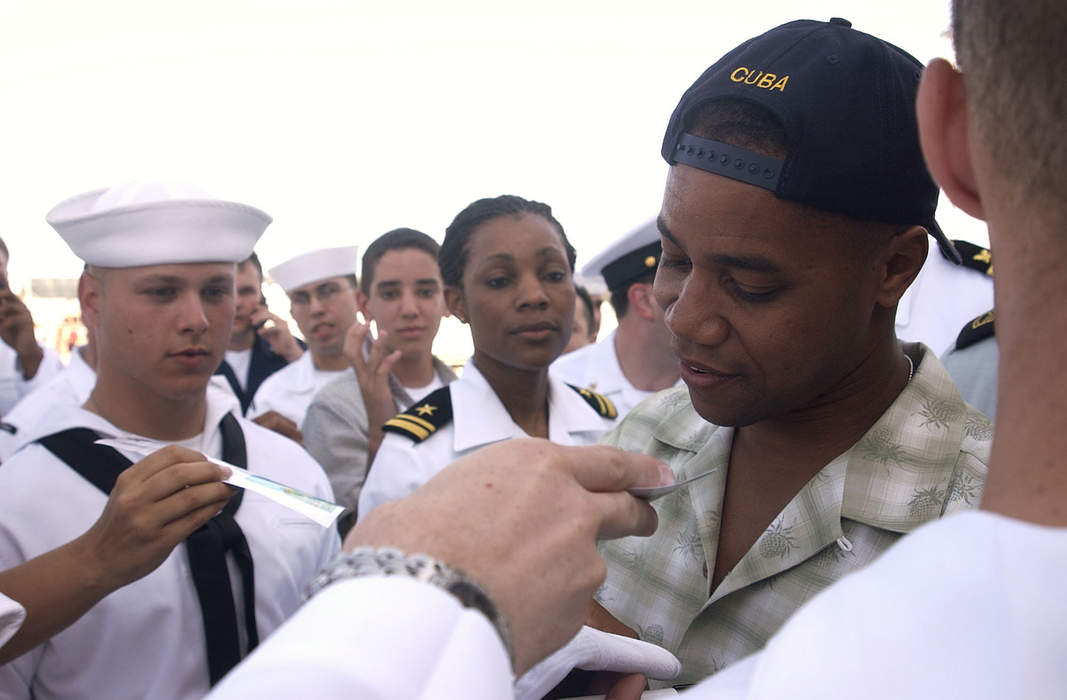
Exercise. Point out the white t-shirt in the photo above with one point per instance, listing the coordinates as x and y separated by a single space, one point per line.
239 361
417 392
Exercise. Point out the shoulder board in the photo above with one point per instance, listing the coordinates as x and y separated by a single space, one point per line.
600 403
975 330
424 417
975 257
8 428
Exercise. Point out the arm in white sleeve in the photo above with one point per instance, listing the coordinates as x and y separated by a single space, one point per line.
377 638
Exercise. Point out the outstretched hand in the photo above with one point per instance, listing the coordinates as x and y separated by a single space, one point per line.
522 517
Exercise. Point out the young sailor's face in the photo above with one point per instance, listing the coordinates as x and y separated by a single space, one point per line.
406 300
163 327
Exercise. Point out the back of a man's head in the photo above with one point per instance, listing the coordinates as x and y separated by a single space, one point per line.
1015 70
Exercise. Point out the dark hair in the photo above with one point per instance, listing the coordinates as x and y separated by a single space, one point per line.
1013 64
453 255
3 250
397 239
620 296
253 260
587 303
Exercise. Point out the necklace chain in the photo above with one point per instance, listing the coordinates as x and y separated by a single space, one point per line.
911 367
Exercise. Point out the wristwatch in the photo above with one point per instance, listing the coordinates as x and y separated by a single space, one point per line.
389 561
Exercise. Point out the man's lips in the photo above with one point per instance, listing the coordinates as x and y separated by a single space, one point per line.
539 327
410 331
700 375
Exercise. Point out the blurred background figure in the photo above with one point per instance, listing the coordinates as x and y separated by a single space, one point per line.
585 326
321 285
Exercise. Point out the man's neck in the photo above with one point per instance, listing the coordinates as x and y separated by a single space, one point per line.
139 411
1028 466
646 360
334 362
523 393
414 371
806 440
242 341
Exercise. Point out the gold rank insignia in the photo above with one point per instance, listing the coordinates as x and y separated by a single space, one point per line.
424 418
975 257
600 403
976 329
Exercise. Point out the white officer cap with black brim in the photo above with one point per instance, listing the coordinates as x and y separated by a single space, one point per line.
633 256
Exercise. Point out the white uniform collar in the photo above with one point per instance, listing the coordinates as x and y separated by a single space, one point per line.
304 371
218 405
479 417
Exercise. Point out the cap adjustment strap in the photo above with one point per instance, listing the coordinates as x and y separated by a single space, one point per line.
729 161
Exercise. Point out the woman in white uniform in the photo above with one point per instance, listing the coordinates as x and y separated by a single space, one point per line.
507 267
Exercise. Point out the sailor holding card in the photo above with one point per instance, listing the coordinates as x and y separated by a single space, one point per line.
158 294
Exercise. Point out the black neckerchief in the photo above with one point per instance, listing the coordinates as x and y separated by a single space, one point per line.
207 547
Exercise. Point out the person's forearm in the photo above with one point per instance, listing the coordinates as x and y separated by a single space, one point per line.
30 359
56 589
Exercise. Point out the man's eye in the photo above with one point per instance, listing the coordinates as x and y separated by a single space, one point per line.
752 295
300 299
161 292
671 262
497 282
425 293
556 276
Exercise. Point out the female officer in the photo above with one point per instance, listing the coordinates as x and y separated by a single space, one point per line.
506 265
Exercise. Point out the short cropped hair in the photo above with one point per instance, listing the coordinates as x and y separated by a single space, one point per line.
253 260
453 256
397 239
1015 71
620 296
587 306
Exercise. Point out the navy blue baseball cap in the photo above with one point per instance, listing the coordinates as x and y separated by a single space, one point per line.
847 102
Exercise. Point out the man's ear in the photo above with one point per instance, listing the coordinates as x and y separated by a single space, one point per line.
944 135
640 299
905 254
361 305
89 293
455 304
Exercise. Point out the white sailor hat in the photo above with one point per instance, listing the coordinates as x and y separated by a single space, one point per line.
633 256
156 223
314 266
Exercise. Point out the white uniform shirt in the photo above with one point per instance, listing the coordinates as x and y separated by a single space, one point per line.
12 385
970 606
596 367
146 640
942 298
12 615
69 387
478 419
289 391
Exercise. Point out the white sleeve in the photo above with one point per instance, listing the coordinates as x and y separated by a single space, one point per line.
12 615
377 638
50 366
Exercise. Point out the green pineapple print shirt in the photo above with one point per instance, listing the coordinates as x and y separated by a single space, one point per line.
925 457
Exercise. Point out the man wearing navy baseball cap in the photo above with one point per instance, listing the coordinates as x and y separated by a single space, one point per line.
796 214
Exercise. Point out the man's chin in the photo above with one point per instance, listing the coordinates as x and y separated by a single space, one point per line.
714 412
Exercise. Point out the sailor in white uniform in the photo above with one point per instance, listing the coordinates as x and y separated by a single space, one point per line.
507 267
322 294
158 294
463 416
636 359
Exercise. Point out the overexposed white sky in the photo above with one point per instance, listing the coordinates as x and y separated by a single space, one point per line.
346 119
